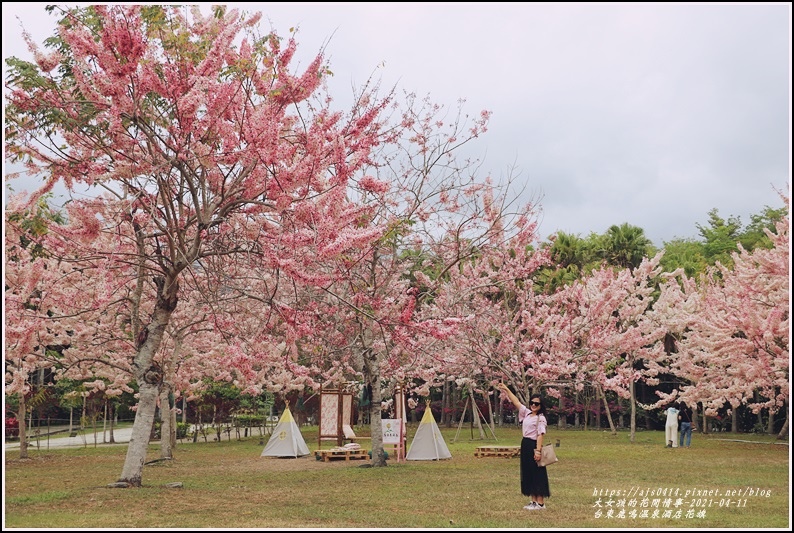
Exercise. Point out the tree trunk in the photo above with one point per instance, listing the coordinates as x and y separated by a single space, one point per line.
490 412
576 416
695 418
606 408
784 430
173 421
149 377
376 433
734 420
770 428
586 413
596 410
112 438
633 420
23 434
166 451
30 425
561 419
132 472
446 414
760 414
497 410
475 416
216 424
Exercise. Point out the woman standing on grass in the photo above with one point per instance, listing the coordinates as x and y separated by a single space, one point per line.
534 479
671 427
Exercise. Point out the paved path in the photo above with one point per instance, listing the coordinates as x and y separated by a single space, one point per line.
83 439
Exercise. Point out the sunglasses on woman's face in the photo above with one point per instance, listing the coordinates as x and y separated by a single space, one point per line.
534 403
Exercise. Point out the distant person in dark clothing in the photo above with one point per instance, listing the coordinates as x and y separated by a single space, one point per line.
685 420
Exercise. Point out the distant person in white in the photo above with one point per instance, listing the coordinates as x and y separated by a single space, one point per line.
671 427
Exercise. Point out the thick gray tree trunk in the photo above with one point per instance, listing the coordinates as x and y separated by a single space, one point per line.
132 473
378 455
149 377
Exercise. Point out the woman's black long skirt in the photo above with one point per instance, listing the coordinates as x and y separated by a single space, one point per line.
534 479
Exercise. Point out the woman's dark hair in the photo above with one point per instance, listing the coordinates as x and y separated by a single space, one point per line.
542 403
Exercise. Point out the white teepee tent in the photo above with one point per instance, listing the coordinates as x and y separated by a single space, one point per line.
286 440
428 444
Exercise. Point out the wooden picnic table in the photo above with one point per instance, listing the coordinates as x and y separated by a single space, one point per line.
497 451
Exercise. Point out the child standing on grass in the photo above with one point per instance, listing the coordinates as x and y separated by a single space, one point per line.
534 478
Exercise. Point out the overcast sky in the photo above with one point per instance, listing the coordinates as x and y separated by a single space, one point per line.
650 114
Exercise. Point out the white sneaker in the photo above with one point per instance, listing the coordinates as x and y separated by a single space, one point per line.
531 507
539 506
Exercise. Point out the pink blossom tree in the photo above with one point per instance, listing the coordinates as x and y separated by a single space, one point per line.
617 336
733 330
52 307
437 216
205 145
25 338
592 332
486 322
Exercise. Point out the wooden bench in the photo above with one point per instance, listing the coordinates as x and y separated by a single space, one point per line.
497 451
334 455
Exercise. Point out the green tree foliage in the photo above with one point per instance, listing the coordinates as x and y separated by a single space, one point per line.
622 246
720 237
570 255
684 253
625 246
218 400
35 222
754 235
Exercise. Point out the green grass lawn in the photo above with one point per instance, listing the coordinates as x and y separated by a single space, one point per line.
722 481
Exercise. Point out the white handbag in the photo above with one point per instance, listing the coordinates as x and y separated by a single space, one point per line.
547 455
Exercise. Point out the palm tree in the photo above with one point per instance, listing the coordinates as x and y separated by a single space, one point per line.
625 246
568 254
568 249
